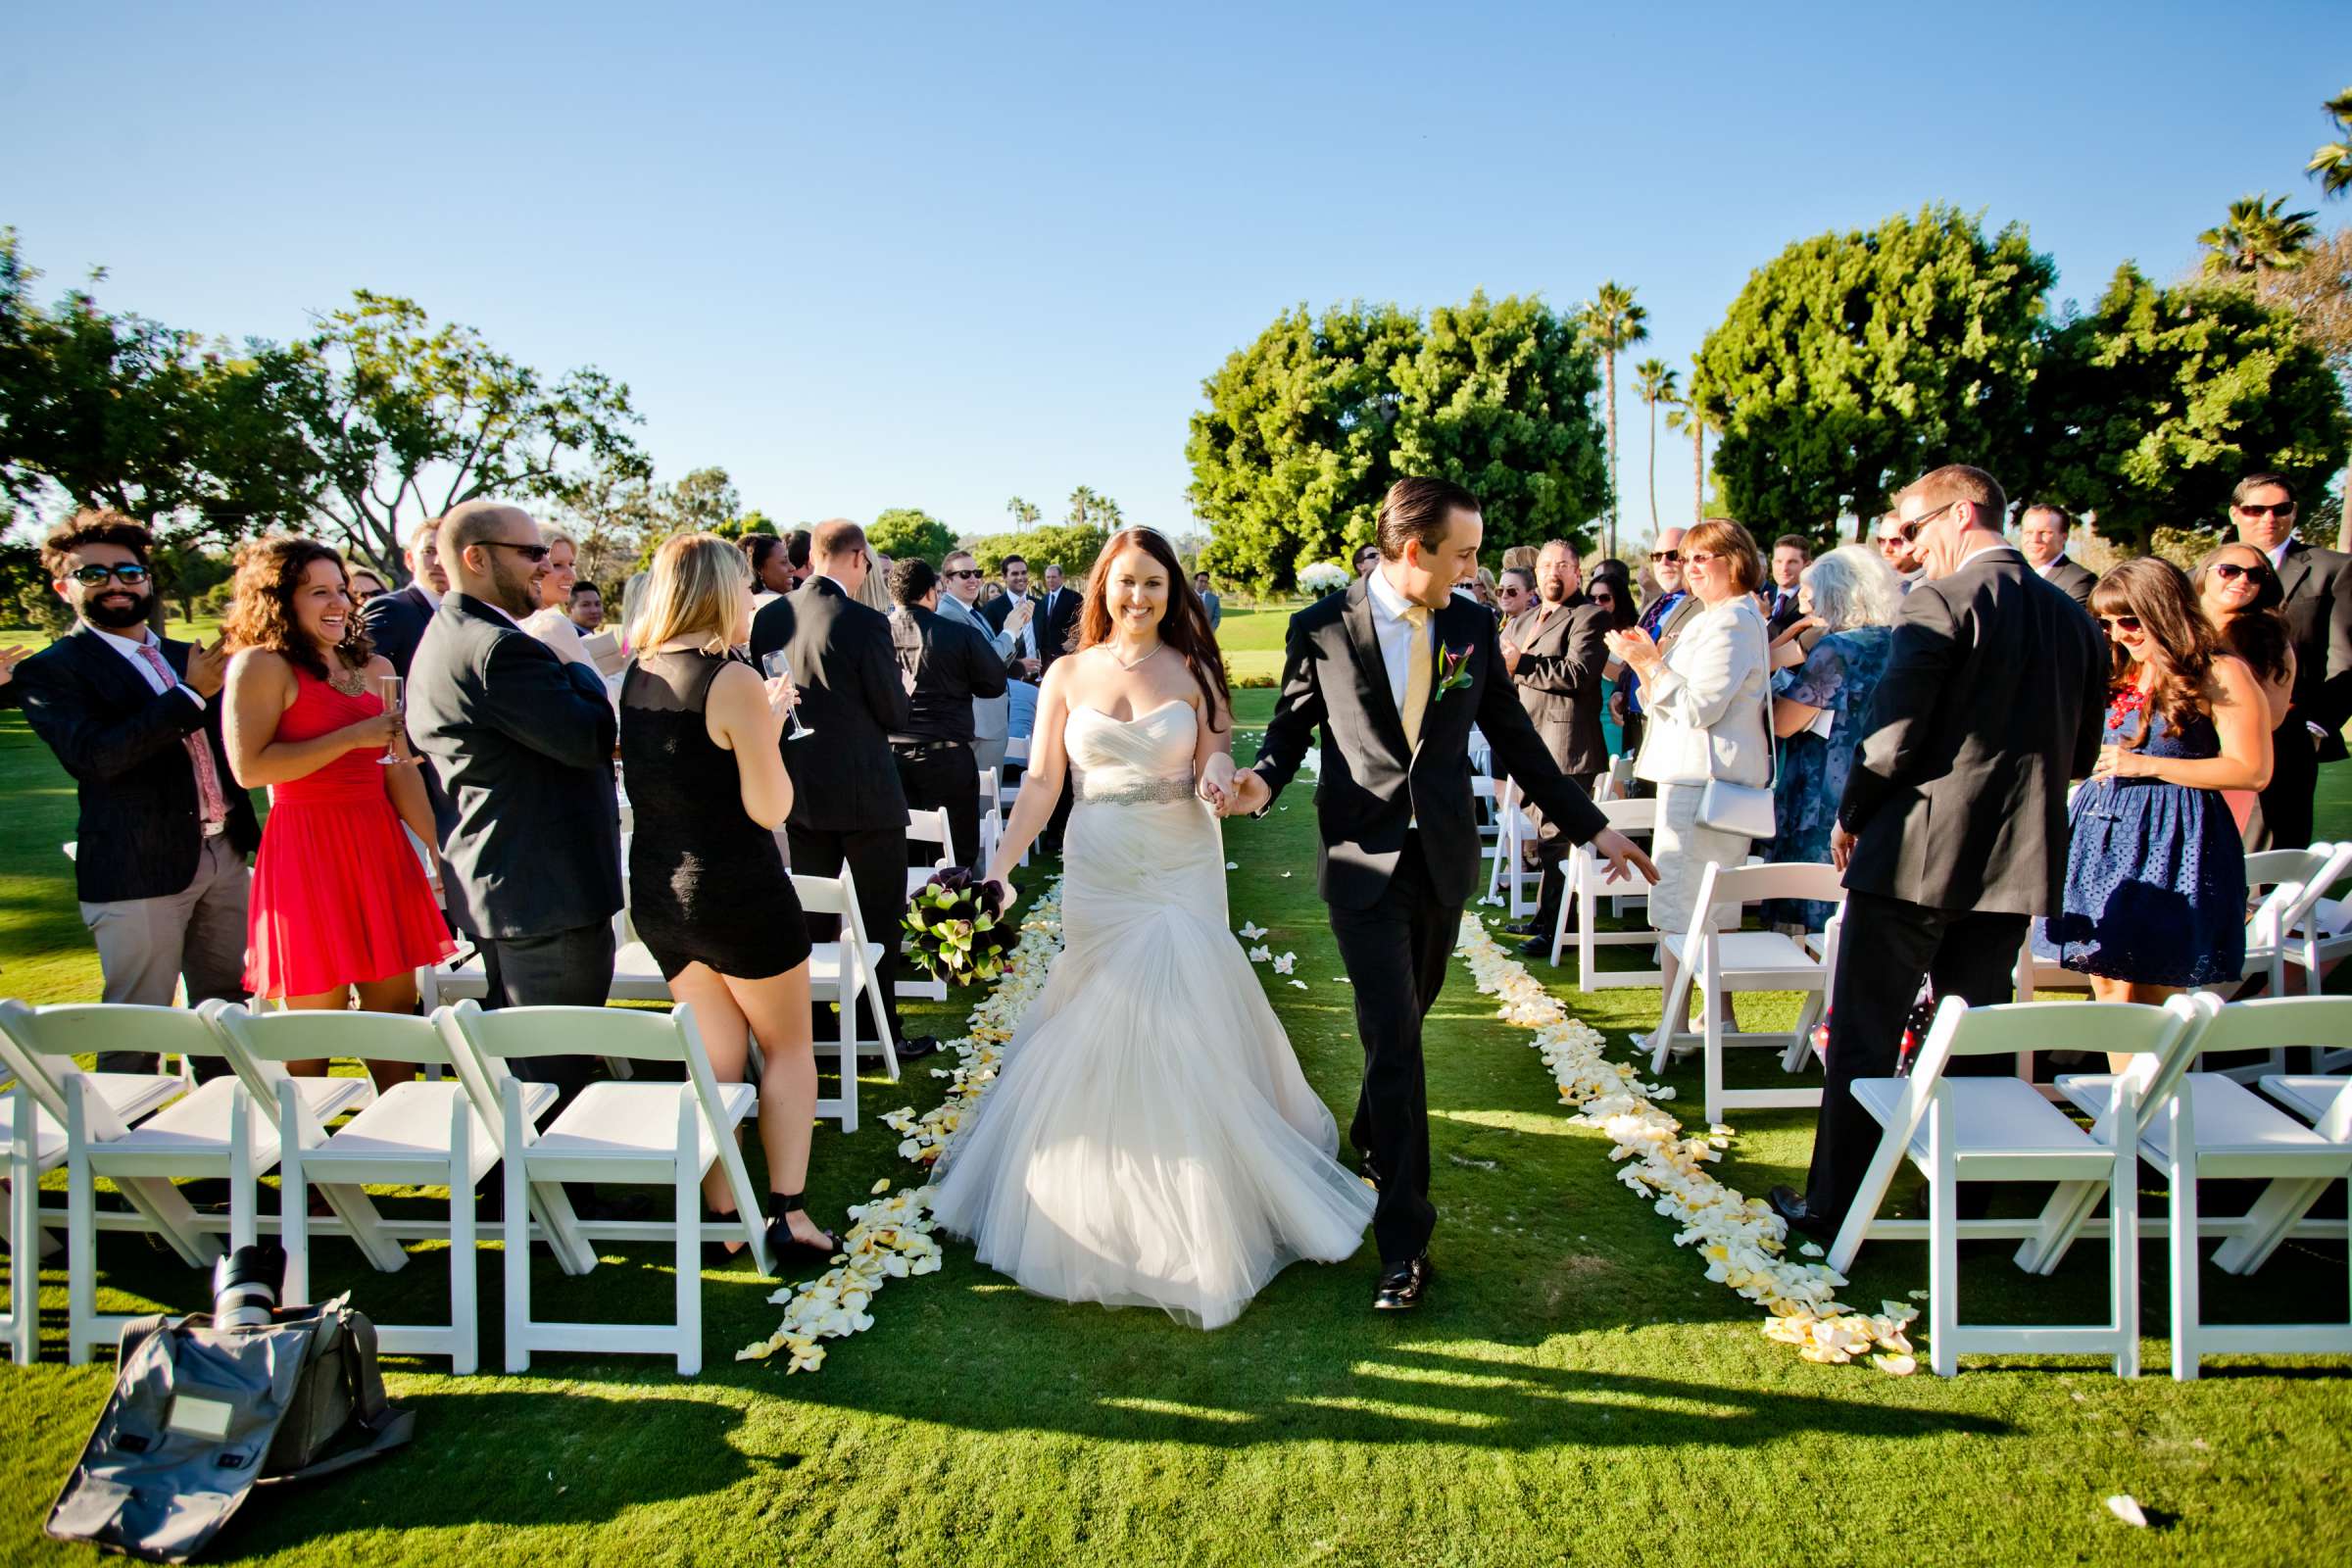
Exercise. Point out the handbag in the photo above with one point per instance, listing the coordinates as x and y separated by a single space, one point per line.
1745 810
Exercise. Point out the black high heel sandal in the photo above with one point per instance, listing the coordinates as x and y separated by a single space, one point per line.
715 1252
787 1251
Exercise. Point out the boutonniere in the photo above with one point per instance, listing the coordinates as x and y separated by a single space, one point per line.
1454 670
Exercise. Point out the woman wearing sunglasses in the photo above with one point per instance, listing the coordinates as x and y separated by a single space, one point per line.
2155 895
2239 593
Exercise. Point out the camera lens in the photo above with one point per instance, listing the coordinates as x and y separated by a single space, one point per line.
245 1286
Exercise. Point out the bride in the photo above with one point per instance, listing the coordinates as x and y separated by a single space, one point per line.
1150 1139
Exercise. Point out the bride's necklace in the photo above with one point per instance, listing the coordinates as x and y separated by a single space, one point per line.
1131 664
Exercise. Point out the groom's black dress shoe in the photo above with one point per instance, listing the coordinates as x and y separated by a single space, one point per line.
1402 1285
1791 1206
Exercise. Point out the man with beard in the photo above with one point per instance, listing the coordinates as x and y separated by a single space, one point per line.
161 862
522 743
1556 655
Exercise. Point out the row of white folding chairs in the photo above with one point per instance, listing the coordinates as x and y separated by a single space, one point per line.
843 970
2187 1125
449 1133
926 827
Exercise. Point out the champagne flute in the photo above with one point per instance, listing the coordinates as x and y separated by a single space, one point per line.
776 666
389 690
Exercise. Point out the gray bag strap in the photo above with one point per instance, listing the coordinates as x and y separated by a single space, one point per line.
355 1354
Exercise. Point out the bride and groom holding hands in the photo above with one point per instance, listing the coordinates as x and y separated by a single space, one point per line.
1150 1139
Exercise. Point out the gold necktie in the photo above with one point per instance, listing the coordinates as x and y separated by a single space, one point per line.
1416 674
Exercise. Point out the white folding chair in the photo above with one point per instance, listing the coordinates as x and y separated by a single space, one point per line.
1720 964
1998 1129
1617 783
992 817
1008 788
1636 819
36 1145
201 1134
417 1134
1486 797
844 972
1510 874
2215 1127
927 827
647 1134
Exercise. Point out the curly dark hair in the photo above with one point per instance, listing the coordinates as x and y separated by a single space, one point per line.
2259 633
95 526
2158 593
261 614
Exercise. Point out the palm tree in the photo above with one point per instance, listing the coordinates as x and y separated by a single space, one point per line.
2256 236
1087 505
1613 321
2332 161
1656 385
1023 512
1683 415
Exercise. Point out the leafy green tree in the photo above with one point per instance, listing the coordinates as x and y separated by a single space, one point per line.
185 571
705 501
414 419
905 531
1655 380
1499 398
1074 545
1852 362
1297 443
2331 162
1307 426
2258 236
1612 323
1024 513
119 411
2150 406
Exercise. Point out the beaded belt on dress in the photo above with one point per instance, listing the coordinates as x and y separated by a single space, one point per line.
1134 792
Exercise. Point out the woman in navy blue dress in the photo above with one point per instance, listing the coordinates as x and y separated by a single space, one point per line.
2156 875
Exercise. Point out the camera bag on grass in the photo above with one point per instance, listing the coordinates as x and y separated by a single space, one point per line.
199 1415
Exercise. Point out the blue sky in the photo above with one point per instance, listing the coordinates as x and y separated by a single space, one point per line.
932 255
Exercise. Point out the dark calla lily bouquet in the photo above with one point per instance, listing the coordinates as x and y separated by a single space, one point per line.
957 930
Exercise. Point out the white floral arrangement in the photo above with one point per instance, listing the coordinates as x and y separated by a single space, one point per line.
892 1238
1324 577
1744 1242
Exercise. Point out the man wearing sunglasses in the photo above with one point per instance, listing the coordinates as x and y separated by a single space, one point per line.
160 857
2316 589
1898 547
2041 533
522 742
1952 831
1662 617
992 716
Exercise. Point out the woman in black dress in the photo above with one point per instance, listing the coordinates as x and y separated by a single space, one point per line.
709 893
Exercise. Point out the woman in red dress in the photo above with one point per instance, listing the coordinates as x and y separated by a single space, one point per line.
340 899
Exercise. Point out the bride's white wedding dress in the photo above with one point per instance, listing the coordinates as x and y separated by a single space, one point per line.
1149 1139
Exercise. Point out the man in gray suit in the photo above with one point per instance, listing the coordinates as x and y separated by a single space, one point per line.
2041 534
1209 600
522 742
1952 832
960 575
1556 655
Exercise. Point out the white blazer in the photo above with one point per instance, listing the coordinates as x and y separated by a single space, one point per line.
1706 706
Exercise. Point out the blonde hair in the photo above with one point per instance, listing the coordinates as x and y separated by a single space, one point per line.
692 589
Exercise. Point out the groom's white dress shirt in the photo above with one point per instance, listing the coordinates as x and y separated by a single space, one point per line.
1394 632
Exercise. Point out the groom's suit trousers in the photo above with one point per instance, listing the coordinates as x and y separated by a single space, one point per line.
1397 953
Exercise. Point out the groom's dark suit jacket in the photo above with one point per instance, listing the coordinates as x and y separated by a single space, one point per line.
1373 785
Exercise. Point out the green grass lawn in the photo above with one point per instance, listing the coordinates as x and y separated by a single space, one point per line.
1573 1390
1252 641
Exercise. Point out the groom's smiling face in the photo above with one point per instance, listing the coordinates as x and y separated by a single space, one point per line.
1427 577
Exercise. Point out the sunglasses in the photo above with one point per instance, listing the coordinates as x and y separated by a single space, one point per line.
974 573
2120 622
2284 508
2230 571
530 553
1665 555
1699 557
1603 599
129 572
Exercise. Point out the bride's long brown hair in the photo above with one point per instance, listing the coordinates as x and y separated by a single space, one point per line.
1184 626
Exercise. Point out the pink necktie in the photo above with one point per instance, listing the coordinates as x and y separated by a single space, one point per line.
212 804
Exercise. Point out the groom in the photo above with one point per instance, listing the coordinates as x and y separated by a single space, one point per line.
1395 670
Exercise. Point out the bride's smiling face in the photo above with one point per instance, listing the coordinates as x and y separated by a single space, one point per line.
1136 587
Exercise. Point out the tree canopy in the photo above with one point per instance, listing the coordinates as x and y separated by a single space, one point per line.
1074 545
903 531
1308 425
2149 407
1852 362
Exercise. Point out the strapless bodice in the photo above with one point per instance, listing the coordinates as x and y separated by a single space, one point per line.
1144 760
